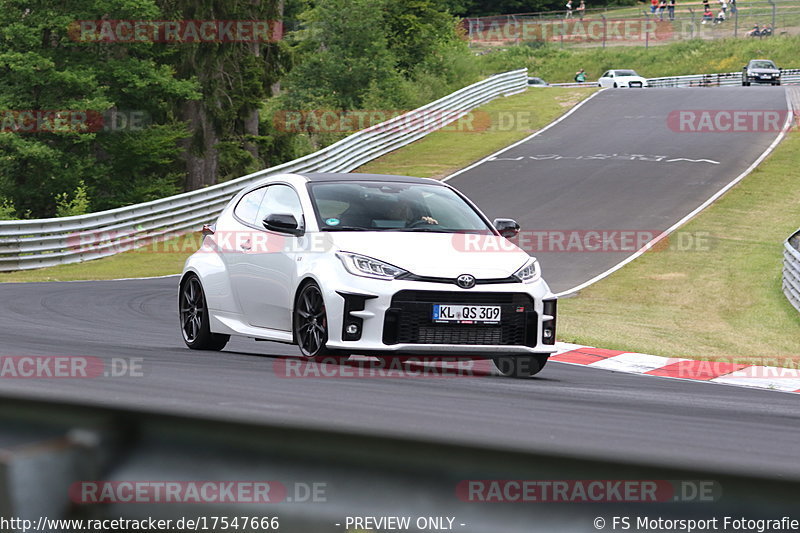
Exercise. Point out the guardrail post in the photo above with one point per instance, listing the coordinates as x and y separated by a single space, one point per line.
691 28
774 9
735 21
605 29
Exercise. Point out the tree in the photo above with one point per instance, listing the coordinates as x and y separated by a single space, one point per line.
44 68
235 79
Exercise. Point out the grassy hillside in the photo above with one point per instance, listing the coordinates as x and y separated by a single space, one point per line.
555 64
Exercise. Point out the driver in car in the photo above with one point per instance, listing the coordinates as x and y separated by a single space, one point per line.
402 211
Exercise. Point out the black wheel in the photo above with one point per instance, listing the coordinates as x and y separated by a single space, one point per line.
195 327
311 326
520 366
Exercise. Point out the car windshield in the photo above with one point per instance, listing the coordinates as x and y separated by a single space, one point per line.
626 73
762 64
393 206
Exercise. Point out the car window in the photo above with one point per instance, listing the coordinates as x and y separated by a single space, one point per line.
762 64
608 74
280 200
387 206
247 208
626 73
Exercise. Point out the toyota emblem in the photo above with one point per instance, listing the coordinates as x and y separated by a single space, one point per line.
465 281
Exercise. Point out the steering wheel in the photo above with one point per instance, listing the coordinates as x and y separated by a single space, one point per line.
420 222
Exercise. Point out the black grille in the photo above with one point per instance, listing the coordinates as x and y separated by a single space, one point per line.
409 319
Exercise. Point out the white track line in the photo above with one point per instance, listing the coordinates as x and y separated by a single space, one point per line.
529 137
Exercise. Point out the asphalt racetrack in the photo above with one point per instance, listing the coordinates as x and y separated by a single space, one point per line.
572 410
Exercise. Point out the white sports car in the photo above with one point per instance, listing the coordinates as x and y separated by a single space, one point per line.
344 264
621 78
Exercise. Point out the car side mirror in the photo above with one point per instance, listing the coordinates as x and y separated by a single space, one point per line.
282 223
506 227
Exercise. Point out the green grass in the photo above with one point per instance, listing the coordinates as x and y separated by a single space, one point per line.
697 56
492 127
436 154
720 300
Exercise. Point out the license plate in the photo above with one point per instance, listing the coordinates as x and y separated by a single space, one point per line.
466 314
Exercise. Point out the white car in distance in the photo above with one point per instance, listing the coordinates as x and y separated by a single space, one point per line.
343 264
621 78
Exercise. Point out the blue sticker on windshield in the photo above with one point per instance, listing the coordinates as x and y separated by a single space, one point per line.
332 222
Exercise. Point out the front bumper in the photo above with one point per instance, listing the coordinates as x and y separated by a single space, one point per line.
373 306
761 78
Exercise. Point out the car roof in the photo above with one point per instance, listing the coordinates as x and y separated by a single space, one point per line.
355 176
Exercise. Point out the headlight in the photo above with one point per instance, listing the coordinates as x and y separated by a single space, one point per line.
361 265
530 271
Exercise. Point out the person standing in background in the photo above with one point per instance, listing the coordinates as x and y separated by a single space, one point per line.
653 6
568 14
671 9
581 9
580 76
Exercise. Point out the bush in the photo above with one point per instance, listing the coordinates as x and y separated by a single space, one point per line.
77 205
7 210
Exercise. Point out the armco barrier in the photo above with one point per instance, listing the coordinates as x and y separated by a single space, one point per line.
27 244
789 77
791 269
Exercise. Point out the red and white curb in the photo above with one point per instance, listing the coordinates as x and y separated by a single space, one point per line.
720 372
741 375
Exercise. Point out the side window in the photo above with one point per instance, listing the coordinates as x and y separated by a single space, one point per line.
247 208
282 200
610 74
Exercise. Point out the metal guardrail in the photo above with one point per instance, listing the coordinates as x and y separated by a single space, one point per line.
789 77
791 269
28 244
48 448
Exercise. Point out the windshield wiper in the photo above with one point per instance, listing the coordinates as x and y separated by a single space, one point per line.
430 230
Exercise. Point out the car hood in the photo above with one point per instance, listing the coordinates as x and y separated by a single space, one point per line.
445 255
630 78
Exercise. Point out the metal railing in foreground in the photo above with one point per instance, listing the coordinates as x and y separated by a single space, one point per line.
68 461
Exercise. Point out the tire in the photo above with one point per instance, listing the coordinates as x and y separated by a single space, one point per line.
195 323
310 326
520 366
